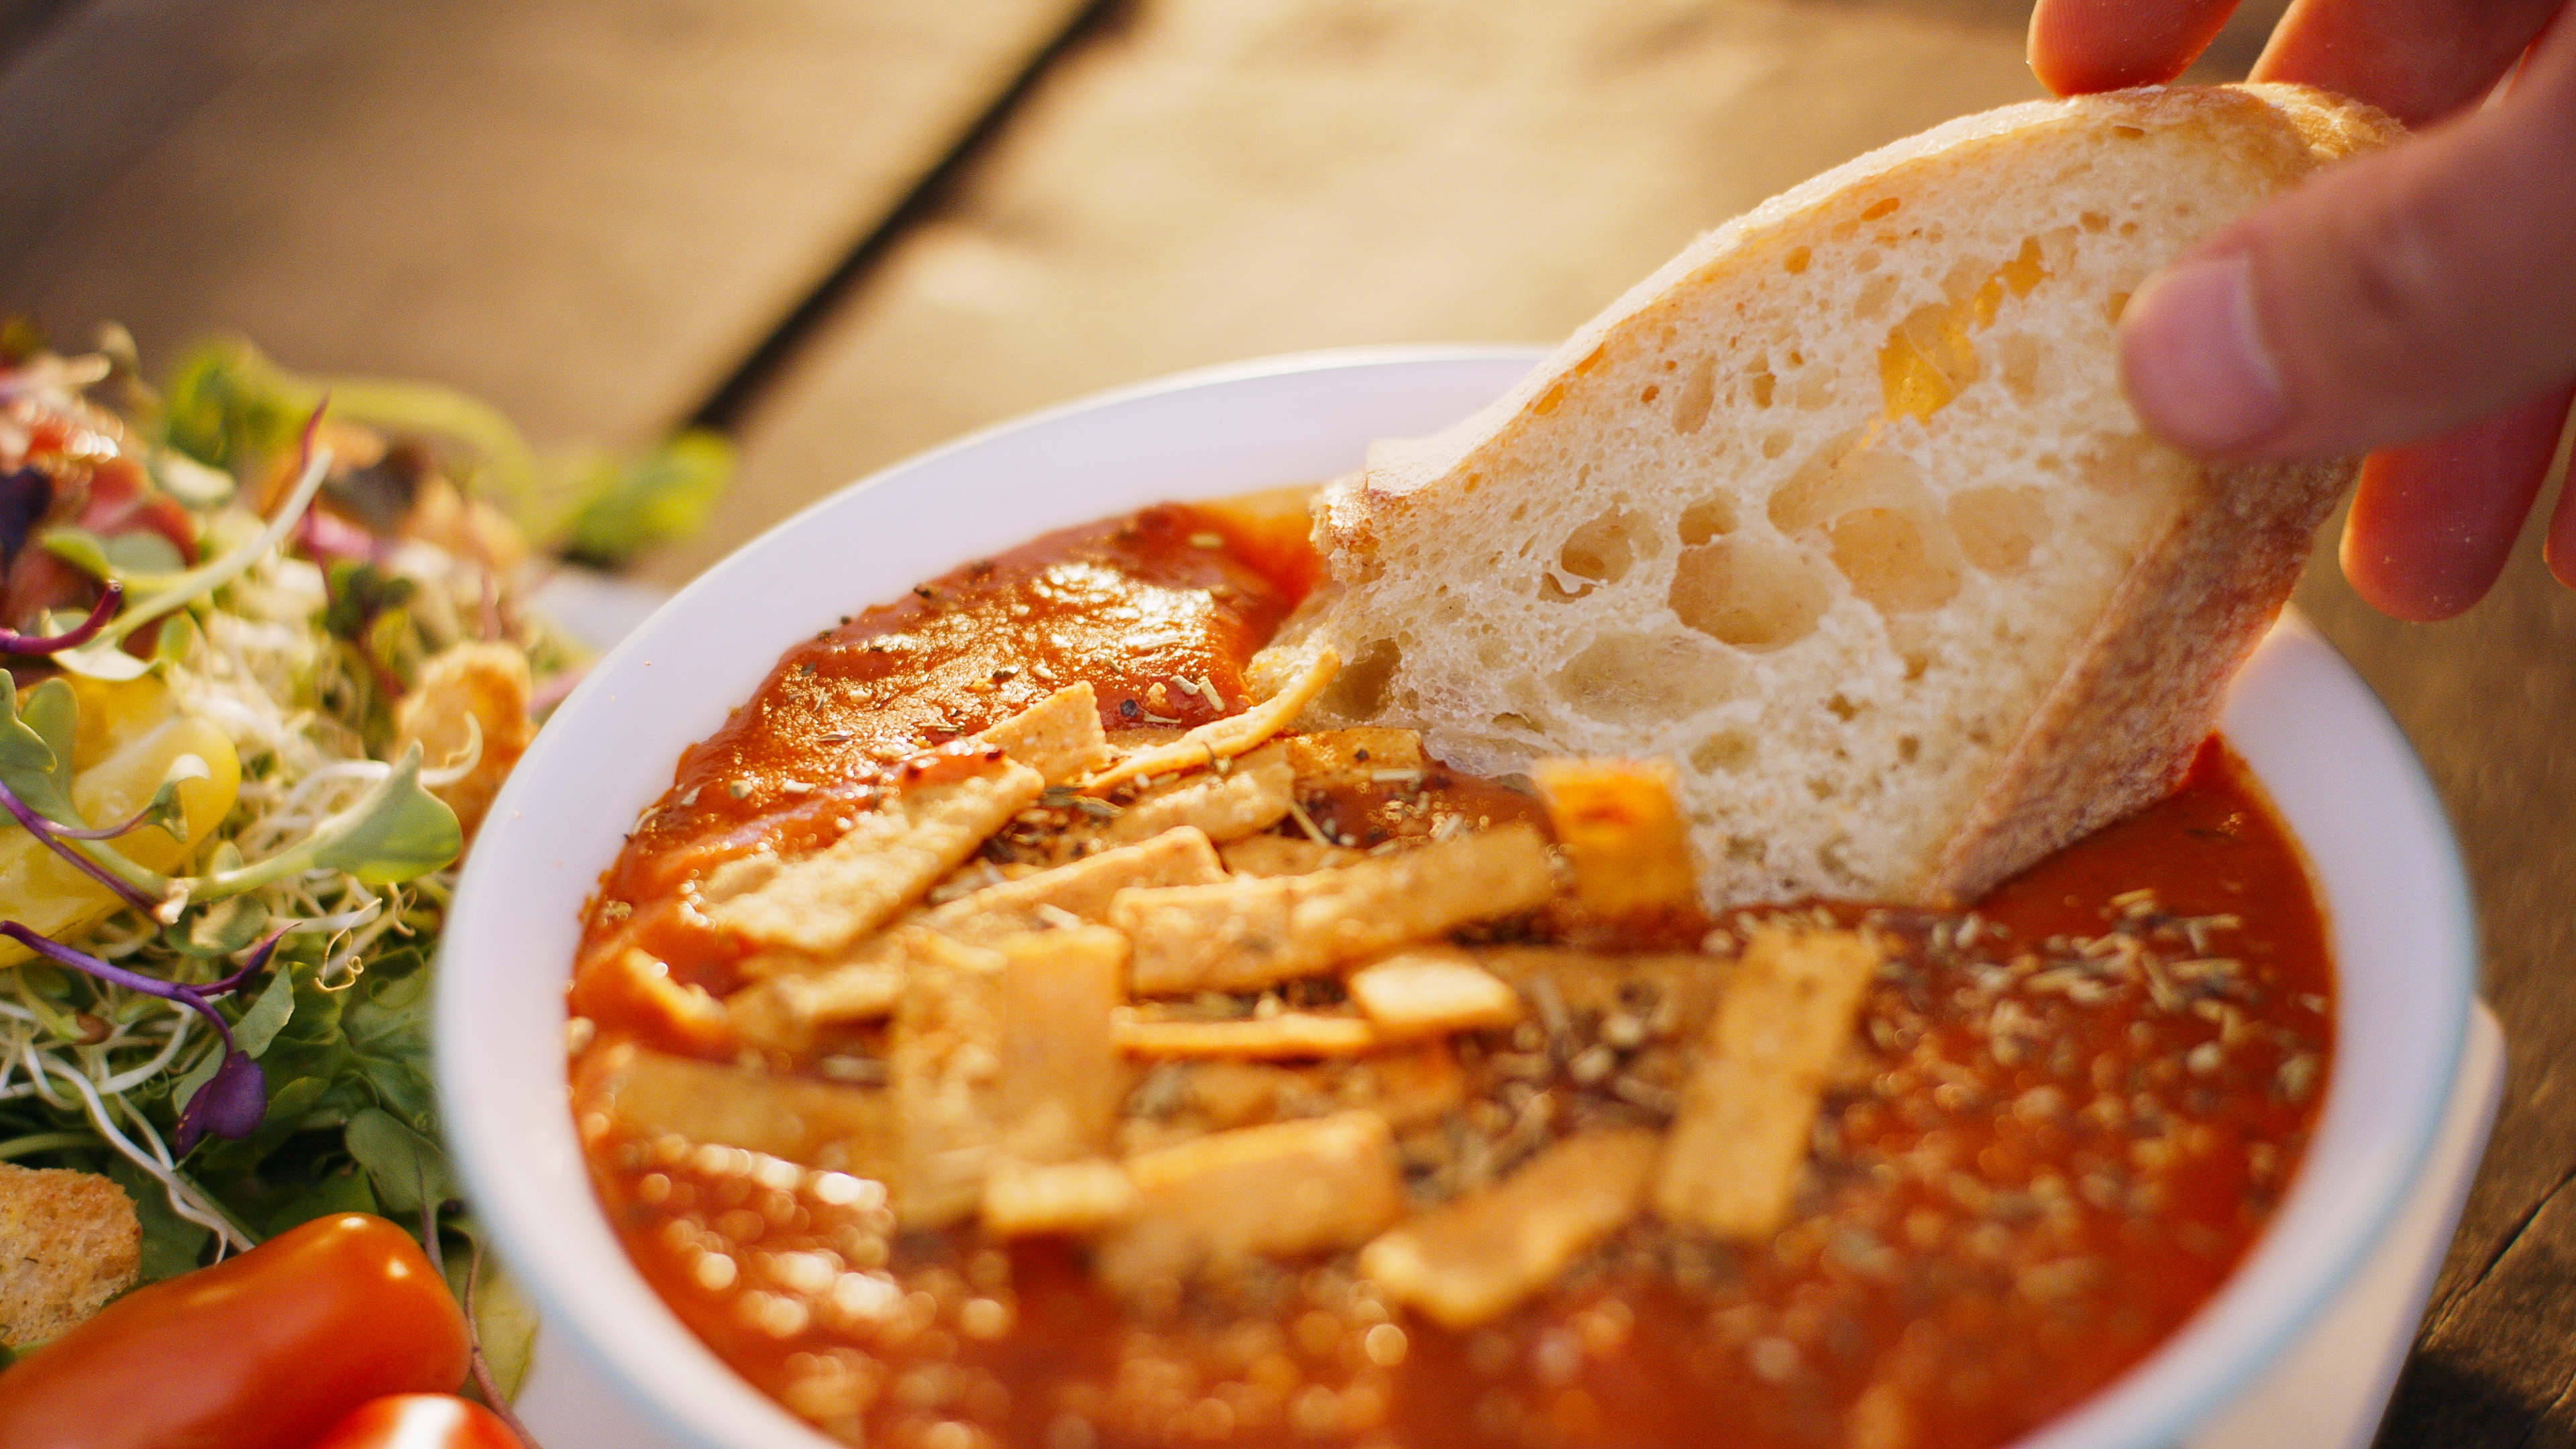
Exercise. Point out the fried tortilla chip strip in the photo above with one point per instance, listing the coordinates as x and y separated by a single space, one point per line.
1246 934
1225 738
1059 736
1471 1258
1062 1078
1284 855
945 1059
1621 831
648 1094
790 1013
1432 991
635 983
1026 1199
1367 755
1286 1188
787 1010
820 903
1290 1034
1245 800
69 1241
1750 1104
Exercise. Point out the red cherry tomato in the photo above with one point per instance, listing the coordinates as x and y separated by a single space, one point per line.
260 1351
420 1421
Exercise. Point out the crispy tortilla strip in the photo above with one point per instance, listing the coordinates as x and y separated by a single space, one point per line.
790 1013
1675 991
649 1094
801 996
1432 991
1368 755
820 903
1286 1188
1246 934
945 1062
1264 855
1290 1034
1025 1199
1062 1076
1750 1104
1244 800
1222 739
1621 831
69 1241
1059 736
1408 1087
634 983
1470 1259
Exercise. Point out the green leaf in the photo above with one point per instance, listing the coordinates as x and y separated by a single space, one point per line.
268 1015
164 809
178 636
396 832
227 406
189 481
222 928
406 1168
359 592
505 1323
623 509
36 748
171 1244
102 658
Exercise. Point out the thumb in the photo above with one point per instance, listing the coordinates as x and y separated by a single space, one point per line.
2387 299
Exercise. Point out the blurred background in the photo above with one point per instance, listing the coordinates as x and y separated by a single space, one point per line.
842 232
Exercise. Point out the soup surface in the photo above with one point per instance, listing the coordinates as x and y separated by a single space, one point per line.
2044 1132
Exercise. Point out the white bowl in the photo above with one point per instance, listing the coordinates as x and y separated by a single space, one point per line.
2334 763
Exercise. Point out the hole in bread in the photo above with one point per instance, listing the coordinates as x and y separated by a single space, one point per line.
1549 400
1842 476
1916 666
1653 390
2128 228
1875 294
1750 592
1359 691
1691 400
2094 221
1821 788
1603 549
1510 721
1908 748
1707 518
1775 443
1998 527
1842 709
1830 856
1796 261
2117 303
1762 384
1885 205
1628 678
1897 560
1925 362
2017 364
1727 750
1746 849
2128 133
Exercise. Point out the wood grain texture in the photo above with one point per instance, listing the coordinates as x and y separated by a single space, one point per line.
1218 179
587 211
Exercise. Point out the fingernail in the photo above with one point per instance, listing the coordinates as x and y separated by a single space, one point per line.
2192 356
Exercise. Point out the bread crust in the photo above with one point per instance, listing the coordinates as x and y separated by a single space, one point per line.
2110 727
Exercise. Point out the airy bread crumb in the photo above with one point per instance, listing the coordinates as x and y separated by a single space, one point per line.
1843 511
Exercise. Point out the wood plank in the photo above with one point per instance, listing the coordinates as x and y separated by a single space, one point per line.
587 211
1212 180
1219 179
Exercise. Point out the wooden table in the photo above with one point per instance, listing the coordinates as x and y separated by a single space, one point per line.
844 232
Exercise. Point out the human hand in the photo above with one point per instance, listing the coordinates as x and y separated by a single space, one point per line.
2420 301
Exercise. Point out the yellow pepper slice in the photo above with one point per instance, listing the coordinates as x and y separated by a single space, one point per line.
130 734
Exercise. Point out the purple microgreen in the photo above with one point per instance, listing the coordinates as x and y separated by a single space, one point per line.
235 1098
13 642
52 837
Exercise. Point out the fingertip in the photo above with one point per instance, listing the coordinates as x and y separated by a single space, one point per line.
2077 47
2193 360
2387 580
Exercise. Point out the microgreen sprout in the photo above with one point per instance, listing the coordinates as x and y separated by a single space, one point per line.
232 1101
13 642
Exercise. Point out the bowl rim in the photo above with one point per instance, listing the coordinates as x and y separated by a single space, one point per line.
515 1154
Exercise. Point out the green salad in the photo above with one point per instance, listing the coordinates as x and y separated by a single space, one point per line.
267 659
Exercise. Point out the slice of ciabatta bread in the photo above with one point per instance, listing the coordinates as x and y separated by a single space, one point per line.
1844 512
